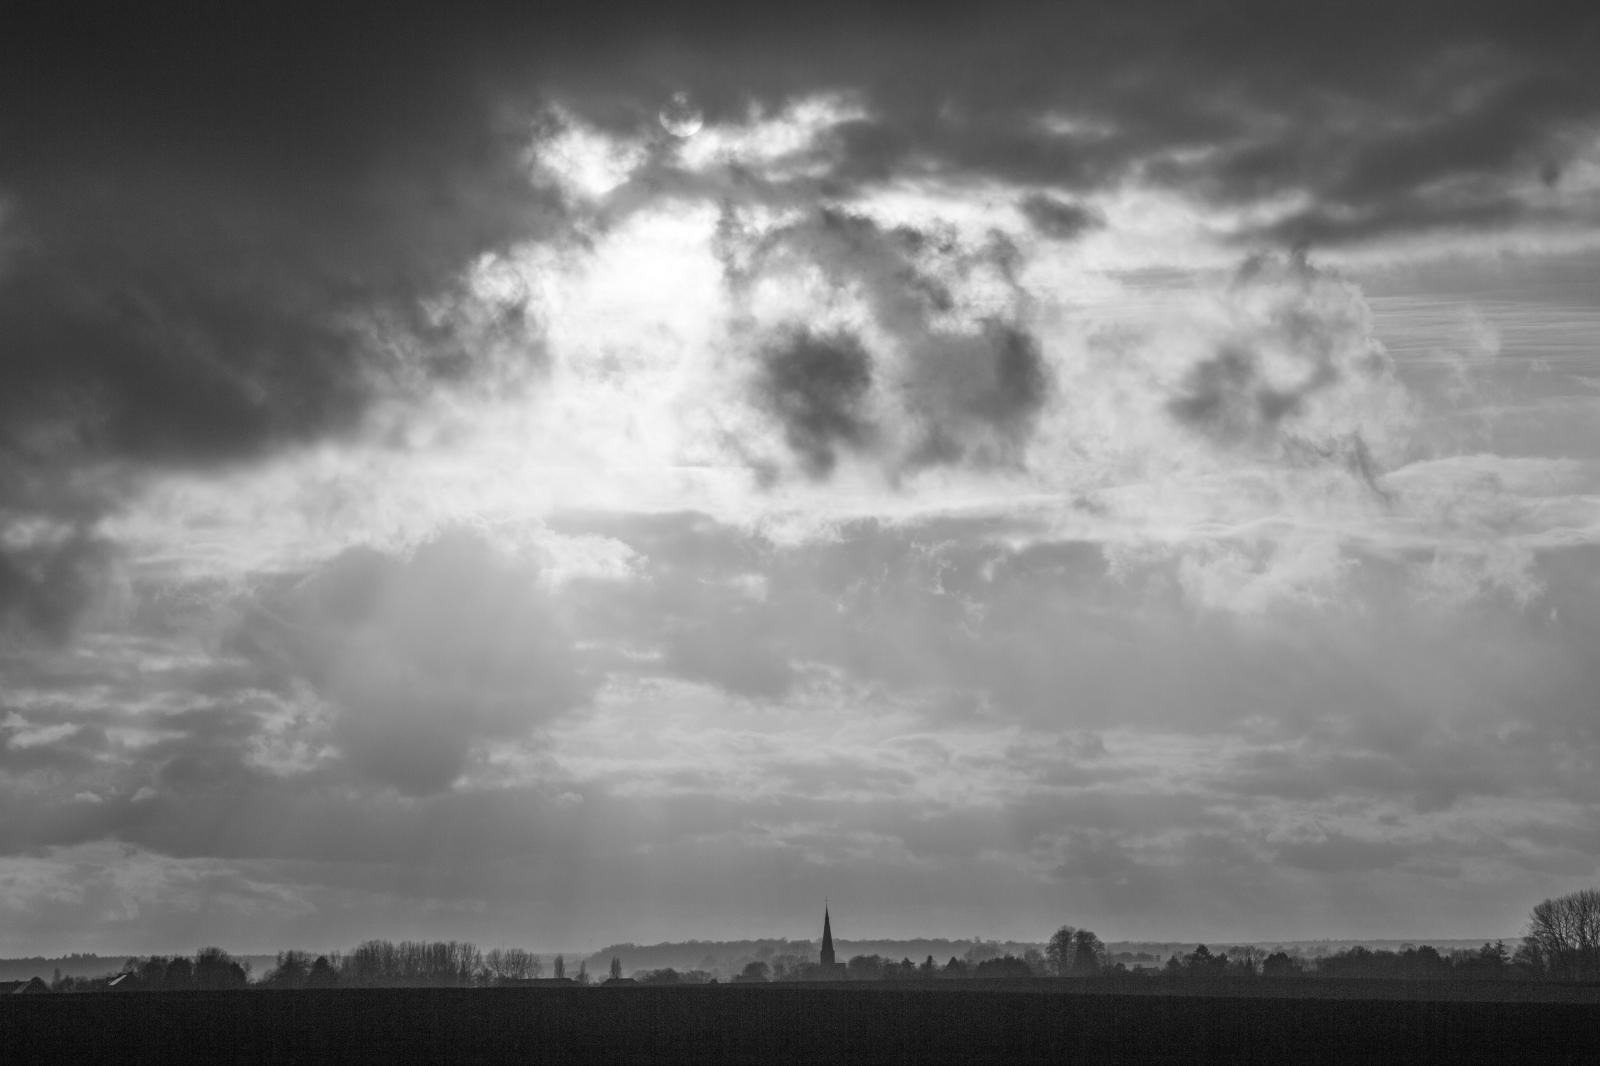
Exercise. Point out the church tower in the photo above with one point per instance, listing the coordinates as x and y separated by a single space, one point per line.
827 939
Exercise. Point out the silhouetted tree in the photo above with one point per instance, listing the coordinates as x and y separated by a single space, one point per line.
179 975
865 968
1060 952
1279 964
616 968
1004 966
153 972
1491 960
1245 960
1563 938
1202 963
380 963
664 976
561 966
1088 953
216 969
583 971
754 972
788 967
323 974
1424 962
292 970
512 964
929 968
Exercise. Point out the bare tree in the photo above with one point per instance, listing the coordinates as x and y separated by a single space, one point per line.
382 963
1246 959
512 964
1563 937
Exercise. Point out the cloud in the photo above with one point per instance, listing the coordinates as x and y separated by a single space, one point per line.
46 586
1059 219
957 714
146 318
816 387
425 657
1297 334
223 244
1236 105
917 374
378 535
977 398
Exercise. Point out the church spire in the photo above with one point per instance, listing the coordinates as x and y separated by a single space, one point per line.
827 936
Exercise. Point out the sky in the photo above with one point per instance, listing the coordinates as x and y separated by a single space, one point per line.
569 478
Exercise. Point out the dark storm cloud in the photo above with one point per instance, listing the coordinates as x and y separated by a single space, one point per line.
816 386
206 219
1371 114
216 232
1416 213
1449 164
203 218
197 212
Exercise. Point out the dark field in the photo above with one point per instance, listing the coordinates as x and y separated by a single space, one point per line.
783 1025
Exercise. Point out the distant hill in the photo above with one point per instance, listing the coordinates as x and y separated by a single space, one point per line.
1308 948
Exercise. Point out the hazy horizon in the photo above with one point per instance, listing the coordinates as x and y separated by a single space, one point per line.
846 946
517 477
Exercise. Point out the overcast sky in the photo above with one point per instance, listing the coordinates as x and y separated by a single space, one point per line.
1127 464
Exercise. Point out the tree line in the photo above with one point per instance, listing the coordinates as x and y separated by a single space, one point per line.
1562 944
373 964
